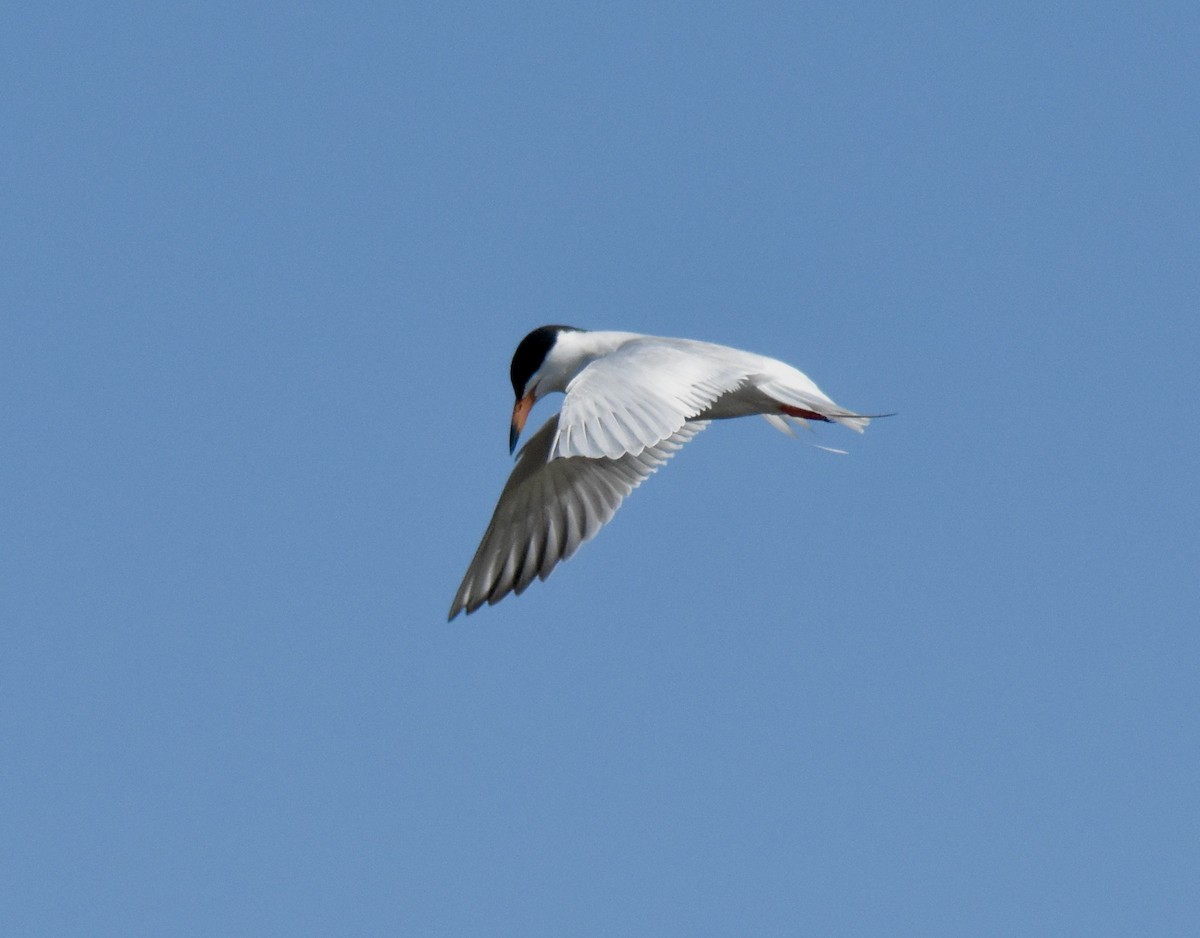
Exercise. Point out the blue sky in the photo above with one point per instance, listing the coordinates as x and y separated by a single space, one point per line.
264 271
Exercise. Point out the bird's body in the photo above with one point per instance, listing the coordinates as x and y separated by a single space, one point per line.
630 401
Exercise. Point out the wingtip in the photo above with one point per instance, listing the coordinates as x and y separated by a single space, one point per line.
462 605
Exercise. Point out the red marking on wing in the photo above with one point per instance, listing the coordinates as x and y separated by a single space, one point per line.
801 412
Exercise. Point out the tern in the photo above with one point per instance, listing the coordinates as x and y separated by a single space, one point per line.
631 401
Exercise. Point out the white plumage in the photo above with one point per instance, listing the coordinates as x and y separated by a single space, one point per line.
631 402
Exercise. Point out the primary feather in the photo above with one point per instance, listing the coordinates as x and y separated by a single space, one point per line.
549 507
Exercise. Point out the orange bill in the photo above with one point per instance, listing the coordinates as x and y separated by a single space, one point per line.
520 415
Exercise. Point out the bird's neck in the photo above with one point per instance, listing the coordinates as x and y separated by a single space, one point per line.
574 351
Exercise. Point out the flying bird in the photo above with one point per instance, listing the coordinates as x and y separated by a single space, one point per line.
630 402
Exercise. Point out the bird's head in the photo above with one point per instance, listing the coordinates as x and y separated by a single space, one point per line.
531 369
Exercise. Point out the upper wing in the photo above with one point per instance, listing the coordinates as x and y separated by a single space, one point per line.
642 393
551 506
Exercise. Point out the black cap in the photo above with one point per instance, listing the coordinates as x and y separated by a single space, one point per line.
532 352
